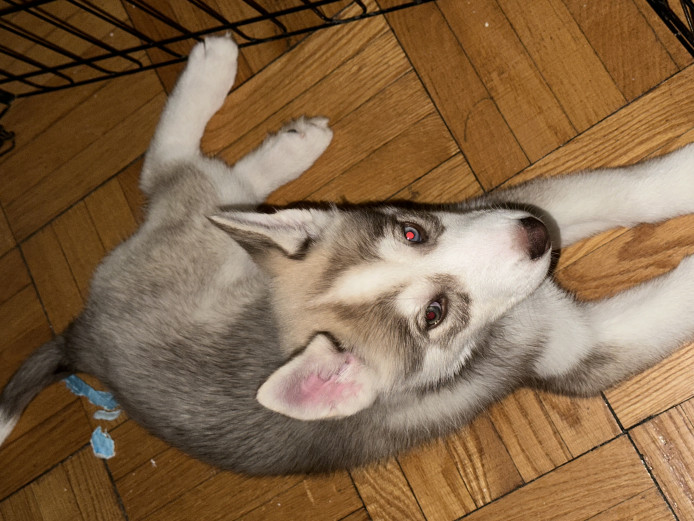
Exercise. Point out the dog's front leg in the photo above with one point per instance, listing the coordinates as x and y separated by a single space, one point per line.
579 205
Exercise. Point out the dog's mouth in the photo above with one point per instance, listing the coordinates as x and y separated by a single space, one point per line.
536 237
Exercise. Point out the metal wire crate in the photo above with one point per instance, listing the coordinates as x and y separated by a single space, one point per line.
47 45
678 18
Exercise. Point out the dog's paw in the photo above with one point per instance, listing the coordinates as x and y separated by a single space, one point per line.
210 72
299 143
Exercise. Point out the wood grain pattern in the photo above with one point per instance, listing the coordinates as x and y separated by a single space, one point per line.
53 277
459 94
319 498
647 506
6 238
667 444
92 487
431 104
436 482
224 496
152 477
386 492
403 157
642 62
565 59
14 275
572 492
55 439
518 89
55 497
484 462
449 182
532 440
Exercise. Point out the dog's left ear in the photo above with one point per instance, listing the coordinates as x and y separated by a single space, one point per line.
287 230
319 383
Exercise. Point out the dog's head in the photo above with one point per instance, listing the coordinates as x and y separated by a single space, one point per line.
384 299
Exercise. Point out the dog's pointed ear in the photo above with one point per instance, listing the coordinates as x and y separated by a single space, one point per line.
321 382
289 230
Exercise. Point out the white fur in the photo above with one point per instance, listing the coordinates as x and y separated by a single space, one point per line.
6 426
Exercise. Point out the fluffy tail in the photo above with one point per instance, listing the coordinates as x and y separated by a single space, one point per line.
46 365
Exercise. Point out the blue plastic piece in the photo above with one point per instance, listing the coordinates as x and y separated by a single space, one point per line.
102 444
98 398
106 415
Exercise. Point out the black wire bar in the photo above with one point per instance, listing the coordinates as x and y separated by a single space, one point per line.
683 29
45 63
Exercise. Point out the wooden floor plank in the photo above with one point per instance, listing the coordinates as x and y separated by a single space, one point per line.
22 506
55 439
316 498
410 155
54 280
378 64
135 448
436 482
80 244
312 60
386 493
667 444
527 431
378 121
639 62
14 275
572 492
92 487
7 241
460 96
450 182
96 163
568 63
631 134
657 389
55 497
154 477
677 51
111 214
583 423
525 100
484 462
225 496
647 506
88 123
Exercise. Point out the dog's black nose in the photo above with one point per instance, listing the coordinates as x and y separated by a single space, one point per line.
537 237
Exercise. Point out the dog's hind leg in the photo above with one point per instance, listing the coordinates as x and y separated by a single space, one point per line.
198 94
579 205
589 346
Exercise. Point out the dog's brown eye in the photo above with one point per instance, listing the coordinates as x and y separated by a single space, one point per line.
434 314
412 233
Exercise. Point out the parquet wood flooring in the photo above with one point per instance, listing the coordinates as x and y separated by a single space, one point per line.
433 104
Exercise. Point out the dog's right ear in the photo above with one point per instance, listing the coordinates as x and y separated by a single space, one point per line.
319 383
289 231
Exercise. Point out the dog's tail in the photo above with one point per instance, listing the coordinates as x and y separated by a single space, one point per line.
46 365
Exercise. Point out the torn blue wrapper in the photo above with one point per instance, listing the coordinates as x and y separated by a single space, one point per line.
102 444
98 398
106 415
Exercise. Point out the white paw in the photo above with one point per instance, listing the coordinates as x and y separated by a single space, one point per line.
210 72
298 144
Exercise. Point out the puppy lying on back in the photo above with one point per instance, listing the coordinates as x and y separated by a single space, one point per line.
315 339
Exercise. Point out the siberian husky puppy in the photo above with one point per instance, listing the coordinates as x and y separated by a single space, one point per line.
322 338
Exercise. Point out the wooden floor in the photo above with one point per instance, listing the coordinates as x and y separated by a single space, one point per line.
435 103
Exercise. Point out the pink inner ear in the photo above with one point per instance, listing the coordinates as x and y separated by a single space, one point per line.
317 389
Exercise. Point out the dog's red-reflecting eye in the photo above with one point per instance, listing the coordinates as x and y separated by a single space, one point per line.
433 314
411 233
